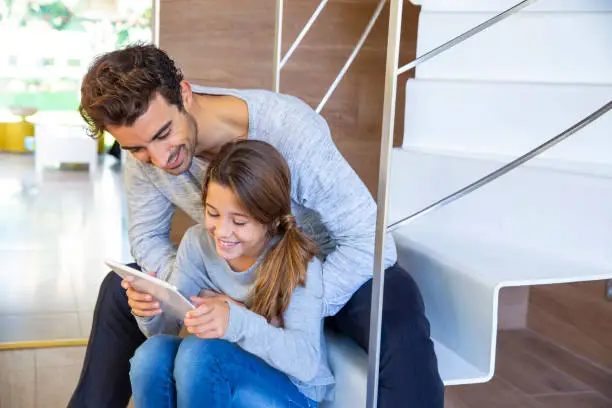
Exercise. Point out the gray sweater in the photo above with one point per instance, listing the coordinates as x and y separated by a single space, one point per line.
329 201
298 349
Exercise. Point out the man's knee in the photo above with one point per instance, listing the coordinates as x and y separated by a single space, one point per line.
112 282
111 288
111 285
112 303
402 295
404 321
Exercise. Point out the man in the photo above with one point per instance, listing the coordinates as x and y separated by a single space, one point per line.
170 129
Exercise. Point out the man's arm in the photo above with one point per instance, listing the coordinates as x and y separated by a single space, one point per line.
323 181
149 219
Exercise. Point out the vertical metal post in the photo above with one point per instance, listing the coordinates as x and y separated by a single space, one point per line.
393 42
155 22
278 42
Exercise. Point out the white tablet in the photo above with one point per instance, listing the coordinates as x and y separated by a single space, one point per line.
170 299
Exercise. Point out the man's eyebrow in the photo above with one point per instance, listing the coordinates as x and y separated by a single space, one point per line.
161 130
157 134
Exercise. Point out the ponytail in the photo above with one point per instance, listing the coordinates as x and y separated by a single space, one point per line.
284 268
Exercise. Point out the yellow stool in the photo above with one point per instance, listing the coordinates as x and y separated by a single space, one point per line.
2 135
14 136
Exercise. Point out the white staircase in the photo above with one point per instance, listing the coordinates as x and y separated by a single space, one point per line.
469 111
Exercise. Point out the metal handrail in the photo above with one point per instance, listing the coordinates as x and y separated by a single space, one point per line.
279 62
353 55
466 35
505 169
302 33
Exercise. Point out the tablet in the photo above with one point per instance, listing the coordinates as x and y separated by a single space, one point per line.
170 299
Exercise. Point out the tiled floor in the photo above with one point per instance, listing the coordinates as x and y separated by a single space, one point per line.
531 373
39 377
55 233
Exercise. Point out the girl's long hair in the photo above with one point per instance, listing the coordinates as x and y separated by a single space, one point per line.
259 176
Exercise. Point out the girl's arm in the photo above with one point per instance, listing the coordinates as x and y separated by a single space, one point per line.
294 349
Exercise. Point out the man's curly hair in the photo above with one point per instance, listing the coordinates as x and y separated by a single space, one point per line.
119 86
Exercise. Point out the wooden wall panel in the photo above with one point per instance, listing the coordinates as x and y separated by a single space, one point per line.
575 316
513 304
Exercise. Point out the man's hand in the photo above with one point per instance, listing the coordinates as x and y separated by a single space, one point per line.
210 293
142 304
210 318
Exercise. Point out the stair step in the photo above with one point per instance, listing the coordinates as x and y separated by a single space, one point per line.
498 265
555 47
555 212
507 119
501 5
460 279
350 366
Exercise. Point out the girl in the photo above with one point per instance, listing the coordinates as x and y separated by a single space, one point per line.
256 336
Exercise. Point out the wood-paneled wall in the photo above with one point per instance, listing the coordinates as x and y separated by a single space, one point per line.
229 44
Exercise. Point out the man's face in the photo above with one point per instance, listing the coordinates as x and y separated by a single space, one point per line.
163 136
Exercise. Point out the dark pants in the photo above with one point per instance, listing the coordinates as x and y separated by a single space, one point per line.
408 366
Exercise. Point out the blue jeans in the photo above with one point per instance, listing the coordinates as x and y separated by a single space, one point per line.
168 371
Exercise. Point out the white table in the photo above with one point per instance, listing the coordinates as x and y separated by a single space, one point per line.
63 143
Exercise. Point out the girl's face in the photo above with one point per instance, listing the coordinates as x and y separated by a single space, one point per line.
239 238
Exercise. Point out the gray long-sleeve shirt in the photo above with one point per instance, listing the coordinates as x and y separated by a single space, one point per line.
329 201
298 349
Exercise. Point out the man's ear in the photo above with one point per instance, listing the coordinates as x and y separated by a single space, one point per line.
186 94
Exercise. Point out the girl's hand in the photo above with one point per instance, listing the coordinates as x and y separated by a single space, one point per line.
142 304
210 318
